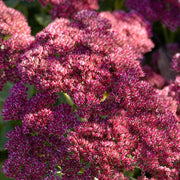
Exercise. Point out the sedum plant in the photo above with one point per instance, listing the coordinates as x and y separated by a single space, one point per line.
93 113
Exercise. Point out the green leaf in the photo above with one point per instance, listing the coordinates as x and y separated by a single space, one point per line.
43 19
128 173
23 10
82 170
3 95
31 91
4 129
105 95
137 172
7 37
12 3
5 92
88 164
65 98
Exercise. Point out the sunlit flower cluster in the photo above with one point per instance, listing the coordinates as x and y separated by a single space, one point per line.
14 38
118 115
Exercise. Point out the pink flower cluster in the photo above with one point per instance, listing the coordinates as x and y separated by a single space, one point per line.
176 62
12 21
66 8
165 75
125 141
83 58
14 39
32 156
116 122
167 11
133 29
173 89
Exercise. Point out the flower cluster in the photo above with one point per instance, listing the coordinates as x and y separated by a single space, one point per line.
32 156
166 66
167 11
115 121
133 29
153 78
14 38
125 141
36 148
173 89
12 21
83 58
66 8
176 62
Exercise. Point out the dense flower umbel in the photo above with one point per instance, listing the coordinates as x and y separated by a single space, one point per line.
14 38
10 52
32 156
105 145
83 58
171 92
146 140
133 29
17 104
50 120
127 123
38 146
12 21
66 8
13 104
167 11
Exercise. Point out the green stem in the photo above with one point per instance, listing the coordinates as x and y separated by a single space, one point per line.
165 33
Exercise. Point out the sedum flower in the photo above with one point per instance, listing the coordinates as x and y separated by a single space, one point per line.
67 9
167 11
14 39
133 29
117 120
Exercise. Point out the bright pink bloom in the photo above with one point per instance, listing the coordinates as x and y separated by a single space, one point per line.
133 30
127 123
14 38
10 52
124 141
156 80
82 58
12 21
176 62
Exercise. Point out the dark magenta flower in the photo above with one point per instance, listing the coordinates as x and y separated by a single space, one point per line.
167 11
